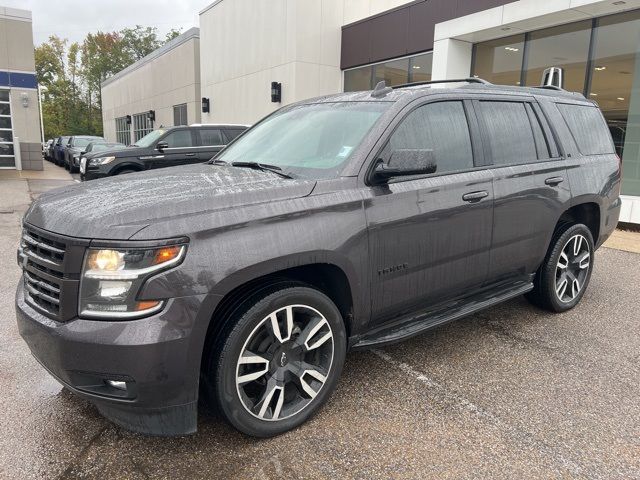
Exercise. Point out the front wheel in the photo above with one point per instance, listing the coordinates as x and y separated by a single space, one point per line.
280 360
564 275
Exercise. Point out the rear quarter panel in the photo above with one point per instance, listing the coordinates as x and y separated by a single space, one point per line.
592 178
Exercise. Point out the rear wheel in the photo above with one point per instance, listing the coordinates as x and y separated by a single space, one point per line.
279 361
564 275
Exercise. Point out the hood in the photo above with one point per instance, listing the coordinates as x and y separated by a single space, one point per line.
118 152
118 207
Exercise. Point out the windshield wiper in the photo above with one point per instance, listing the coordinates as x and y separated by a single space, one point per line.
265 167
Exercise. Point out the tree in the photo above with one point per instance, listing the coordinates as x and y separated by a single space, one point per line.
73 75
139 42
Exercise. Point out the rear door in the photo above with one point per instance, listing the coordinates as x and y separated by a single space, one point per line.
531 187
181 149
211 141
430 235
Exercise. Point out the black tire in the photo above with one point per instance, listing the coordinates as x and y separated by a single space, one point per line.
125 171
550 276
222 367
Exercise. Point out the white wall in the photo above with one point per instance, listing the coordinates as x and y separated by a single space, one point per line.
156 83
247 44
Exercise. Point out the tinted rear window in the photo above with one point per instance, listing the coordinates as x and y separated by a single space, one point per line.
509 132
588 129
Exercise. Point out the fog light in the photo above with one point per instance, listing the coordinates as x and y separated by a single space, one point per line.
117 384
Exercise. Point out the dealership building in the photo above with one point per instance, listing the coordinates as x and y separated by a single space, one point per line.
20 134
307 48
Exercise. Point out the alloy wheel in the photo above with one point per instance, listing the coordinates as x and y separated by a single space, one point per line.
572 268
285 362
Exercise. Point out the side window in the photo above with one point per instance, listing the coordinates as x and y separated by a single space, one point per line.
209 136
232 133
179 139
588 129
509 132
542 147
441 127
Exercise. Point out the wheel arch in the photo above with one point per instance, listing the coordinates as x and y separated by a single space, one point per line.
127 165
586 212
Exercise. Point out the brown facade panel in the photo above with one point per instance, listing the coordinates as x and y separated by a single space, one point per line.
402 31
422 20
389 34
355 44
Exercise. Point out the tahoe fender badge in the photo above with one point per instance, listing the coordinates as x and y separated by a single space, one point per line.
394 268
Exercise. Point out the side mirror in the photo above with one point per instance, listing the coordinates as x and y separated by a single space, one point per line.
160 146
405 162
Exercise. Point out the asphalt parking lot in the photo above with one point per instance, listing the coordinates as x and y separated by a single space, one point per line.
513 392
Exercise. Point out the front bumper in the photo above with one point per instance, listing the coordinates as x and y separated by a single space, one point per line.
92 172
156 356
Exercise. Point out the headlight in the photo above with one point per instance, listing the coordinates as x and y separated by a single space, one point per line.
112 278
101 160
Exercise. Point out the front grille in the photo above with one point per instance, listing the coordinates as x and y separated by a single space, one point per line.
43 293
43 247
51 267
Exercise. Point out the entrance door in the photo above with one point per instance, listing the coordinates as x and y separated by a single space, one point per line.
7 155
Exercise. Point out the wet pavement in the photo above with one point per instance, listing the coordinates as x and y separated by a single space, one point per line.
512 392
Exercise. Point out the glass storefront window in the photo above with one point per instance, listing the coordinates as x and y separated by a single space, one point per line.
420 68
357 79
499 61
393 73
615 85
565 46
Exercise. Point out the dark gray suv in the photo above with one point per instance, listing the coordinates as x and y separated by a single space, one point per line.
337 223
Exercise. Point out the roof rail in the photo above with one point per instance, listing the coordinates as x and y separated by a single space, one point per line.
551 87
454 80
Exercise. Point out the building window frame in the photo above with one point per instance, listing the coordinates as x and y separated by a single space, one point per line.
10 129
180 115
142 125
123 131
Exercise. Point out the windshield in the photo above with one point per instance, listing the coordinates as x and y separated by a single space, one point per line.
312 141
83 142
149 139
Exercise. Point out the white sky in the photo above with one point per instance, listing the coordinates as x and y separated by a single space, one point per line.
73 19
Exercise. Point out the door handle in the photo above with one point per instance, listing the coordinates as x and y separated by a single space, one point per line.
189 154
553 181
475 196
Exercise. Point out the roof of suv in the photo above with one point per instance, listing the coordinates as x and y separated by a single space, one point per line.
476 85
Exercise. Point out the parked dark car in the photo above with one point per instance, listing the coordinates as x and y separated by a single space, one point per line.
46 149
338 223
51 152
95 149
75 146
59 150
165 147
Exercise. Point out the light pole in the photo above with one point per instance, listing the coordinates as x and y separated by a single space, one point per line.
40 90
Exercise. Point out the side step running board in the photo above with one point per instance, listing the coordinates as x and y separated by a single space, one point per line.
424 321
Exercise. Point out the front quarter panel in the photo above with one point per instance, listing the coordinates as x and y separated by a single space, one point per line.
254 241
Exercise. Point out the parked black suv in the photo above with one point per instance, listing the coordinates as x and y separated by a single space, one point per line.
337 223
75 146
165 147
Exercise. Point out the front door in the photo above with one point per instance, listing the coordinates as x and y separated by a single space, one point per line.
180 151
430 236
